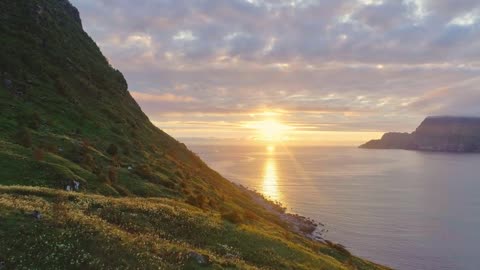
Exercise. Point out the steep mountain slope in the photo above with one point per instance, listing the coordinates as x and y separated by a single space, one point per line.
60 91
440 133
66 116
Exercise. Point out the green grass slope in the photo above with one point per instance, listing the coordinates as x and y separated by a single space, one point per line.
145 201
82 231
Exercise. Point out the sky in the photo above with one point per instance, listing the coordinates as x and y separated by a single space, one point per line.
326 72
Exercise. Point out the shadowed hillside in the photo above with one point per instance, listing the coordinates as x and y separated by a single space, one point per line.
144 201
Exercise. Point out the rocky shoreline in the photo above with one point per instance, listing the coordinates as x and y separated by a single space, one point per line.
304 226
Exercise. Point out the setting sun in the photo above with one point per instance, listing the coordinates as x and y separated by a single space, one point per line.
270 149
271 130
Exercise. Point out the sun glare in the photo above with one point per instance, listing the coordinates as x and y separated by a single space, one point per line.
270 149
271 130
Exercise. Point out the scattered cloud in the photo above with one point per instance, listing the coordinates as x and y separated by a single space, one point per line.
167 97
307 60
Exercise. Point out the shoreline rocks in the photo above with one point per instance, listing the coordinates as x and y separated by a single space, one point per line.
299 224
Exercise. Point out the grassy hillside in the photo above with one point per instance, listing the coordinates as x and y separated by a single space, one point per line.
98 232
145 201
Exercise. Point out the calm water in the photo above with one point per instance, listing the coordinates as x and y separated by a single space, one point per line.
408 210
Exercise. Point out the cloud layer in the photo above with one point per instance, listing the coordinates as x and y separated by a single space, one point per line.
329 65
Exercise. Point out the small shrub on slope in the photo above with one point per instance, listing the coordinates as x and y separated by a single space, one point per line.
234 217
24 137
112 150
38 154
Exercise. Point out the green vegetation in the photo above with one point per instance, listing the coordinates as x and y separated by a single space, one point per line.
144 200
99 232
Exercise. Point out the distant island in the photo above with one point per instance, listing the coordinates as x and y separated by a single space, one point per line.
435 133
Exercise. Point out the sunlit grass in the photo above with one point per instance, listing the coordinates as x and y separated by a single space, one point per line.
99 232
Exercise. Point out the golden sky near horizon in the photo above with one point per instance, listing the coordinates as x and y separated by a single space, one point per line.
325 72
269 131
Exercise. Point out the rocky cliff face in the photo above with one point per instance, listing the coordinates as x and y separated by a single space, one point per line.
440 133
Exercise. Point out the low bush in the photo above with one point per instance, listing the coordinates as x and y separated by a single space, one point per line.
61 87
38 154
29 119
168 184
198 200
213 203
233 216
338 247
24 137
107 175
250 216
112 174
112 150
88 161
49 147
144 171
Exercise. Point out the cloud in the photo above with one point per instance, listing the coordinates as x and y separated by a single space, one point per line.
167 97
451 9
314 61
464 103
310 31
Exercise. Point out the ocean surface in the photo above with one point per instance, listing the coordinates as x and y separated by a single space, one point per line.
404 209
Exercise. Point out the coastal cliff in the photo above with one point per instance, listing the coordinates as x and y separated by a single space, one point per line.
438 133
88 182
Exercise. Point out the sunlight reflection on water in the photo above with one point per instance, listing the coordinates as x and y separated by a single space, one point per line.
394 207
270 180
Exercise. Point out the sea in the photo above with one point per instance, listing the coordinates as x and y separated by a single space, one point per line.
403 209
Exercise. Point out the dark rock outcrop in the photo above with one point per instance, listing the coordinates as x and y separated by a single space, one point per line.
392 140
440 133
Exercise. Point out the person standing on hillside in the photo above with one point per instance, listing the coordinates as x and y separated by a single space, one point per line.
76 185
